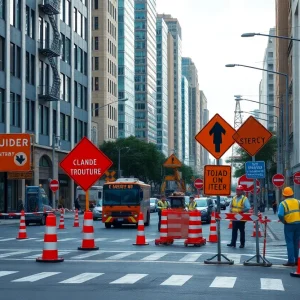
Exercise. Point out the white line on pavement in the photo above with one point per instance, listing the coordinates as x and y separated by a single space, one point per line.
29 239
92 253
271 284
223 282
154 256
178 280
67 239
36 277
235 257
190 257
120 241
129 279
120 255
82 278
5 273
13 253
9 239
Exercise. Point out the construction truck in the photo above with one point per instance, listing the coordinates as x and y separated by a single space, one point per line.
175 177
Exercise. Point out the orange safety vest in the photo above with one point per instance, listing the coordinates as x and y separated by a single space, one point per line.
291 210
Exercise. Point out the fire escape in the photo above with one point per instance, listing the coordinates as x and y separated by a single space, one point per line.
51 49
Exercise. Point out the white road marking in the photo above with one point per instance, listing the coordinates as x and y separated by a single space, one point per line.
13 253
29 239
178 280
5 273
155 256
223 282
82 278
40 240
67 239
120 241
235 257
129 279
120 255
9 239
100 239
85 255
149 240
190 257
271 284
36 277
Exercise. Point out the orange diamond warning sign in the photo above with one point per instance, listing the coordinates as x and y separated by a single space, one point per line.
172 162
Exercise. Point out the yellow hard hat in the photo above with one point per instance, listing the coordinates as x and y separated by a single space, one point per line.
287 191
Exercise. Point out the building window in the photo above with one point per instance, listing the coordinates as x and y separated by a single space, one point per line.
32 77
67 12
2 9
18 14
18 62
44 119
30 114
96 23
32 23
96 43
2 106
15 110
27 66
96 4
96 63
75 19
65 123
2 43
96 83
12 59
12 13
27 20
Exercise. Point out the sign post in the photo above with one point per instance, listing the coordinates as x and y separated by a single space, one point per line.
54 186
216 138
253 136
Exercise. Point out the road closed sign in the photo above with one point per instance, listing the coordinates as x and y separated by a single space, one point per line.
217 180
15 152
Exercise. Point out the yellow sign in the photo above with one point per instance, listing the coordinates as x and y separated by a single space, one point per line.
20 175
217 180
110 176
172 162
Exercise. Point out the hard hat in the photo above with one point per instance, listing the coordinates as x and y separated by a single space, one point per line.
287 191
239 188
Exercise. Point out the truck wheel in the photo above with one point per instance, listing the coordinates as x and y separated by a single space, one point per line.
107 225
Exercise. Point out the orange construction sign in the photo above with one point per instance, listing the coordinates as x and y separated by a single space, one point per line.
15 152
217 180
172 162
216 136
252 136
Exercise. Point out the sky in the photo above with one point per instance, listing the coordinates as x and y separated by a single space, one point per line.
211 36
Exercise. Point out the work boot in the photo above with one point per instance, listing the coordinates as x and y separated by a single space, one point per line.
231 245
242 246
288 264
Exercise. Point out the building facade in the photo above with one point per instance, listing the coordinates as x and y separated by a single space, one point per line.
162 86
185 120
105 68
175 30
44 88
204 115
145 70
126 125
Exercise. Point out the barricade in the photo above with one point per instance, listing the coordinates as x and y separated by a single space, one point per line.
140 237
62 219
195 230
164 239
76 219
22 230
254 231
213 237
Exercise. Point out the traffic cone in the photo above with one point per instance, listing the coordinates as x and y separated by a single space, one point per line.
163 239
254 230
195 230
22 230
76 219
213 238
297 273
50 252
140 237
230 225
61 220
88 242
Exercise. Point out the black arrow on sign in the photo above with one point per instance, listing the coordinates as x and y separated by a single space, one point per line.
20 159
217 131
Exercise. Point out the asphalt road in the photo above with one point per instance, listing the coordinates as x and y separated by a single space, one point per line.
120 269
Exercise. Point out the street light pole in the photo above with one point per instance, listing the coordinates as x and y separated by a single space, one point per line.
55 142
119 160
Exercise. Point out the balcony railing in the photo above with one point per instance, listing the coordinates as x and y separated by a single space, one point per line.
50 7
48 93
50 47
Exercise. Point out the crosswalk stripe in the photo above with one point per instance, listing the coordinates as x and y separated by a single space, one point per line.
120 241
82 278
149 240
5 273
190 257
89 254
12 253
29 239
129 279
155 256
60 253
67 239
100 239
121 255
271 284
39 240
36 277
223 282
178 280
9 239
235 257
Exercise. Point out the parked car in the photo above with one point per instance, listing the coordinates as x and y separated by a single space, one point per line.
206 206
97 211
153 205
223 202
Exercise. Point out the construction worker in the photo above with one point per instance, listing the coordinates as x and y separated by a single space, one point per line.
289 215
161 205
192 204
239 204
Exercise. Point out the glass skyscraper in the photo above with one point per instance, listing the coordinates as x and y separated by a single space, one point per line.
185 120
126 68
145 70
162 85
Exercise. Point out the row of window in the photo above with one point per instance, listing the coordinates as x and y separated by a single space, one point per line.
112 30
30 68
95 45
112 68
15 13
65 49
80 24
111 48
112 113
112 87
15 60
80 60
112 132
30 22
65 11
80 95
95 63
112 10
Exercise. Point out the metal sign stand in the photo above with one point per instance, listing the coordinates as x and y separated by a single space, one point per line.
260 261
219 255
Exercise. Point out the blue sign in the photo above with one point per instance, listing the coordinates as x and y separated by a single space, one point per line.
255 169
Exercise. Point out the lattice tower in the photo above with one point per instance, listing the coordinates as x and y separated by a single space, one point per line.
238 120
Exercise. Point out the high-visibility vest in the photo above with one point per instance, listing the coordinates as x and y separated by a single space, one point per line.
237 206
291 210
162 205
192 205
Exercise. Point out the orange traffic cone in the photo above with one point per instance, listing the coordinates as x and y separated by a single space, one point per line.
195 230
61 220
88 242
22 230
297 273
50 252
213 238
76 219
254 230
230 225
164 239
140 237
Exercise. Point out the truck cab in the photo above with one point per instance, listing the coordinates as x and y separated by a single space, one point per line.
37 203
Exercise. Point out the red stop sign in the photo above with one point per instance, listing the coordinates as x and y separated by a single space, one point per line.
54 185
198 183
296 178
278 180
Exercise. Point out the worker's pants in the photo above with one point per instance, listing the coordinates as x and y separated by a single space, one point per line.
238 225
292 237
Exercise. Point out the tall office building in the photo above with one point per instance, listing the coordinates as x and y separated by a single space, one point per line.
126 68
105 68
145 70
175 30
185 120
203 121
267 90
206 160
162 86
190 71
44 88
